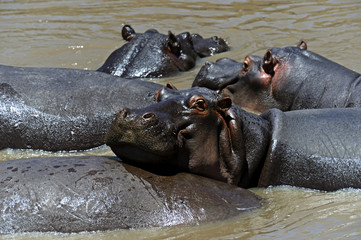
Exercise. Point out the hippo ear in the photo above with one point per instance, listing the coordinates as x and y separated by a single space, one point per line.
269 62
171 86
163 93
302 45
173 44
186 36
224 104
127 33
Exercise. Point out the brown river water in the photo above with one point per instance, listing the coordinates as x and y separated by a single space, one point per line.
82 33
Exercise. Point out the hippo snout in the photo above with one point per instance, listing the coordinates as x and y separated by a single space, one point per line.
137 126
141 136
146 119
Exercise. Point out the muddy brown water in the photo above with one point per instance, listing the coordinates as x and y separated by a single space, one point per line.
82 33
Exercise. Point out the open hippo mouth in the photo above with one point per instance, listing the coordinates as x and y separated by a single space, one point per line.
189 130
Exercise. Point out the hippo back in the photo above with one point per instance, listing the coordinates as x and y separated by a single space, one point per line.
63 109
318 148
70 92
308 80
70 194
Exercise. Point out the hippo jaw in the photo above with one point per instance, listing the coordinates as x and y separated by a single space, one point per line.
188 133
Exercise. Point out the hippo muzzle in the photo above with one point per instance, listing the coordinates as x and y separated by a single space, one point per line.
142 137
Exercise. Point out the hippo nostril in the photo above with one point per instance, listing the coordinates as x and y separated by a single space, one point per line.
148 116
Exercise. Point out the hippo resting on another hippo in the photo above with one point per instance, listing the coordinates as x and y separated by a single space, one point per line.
287 78
152 54
199 131
63 109
100 193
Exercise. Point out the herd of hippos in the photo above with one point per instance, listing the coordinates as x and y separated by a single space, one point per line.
184 157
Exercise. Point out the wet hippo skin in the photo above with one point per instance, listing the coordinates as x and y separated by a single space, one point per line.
63 109
74 194
219 74
287 78
200 131
153 54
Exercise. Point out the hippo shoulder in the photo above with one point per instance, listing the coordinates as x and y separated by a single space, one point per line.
276 118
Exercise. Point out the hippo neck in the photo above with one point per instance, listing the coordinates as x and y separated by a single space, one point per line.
256 135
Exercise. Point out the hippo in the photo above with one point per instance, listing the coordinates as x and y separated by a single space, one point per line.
152 54
205 47
63 109
76 194
288 78
200 131
217 75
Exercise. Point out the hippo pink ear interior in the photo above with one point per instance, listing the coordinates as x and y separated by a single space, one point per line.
224 104
168 89
269 63
302 45
128 33
171 86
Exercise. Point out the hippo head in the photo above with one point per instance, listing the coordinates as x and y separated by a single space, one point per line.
219 74
153 54
255 84
191 130
205 47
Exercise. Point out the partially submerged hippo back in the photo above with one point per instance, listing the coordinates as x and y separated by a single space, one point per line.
75 194
315 148
291 78
63 109
200 131
153 54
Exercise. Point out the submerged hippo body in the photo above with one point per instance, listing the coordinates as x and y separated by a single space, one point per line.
63 109
152 54
67 194
199 131
288 78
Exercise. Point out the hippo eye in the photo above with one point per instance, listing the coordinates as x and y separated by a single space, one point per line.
199 104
